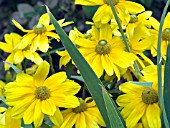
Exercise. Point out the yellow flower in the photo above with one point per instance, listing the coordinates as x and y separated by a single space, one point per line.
37 38
17 55
104 13
105 53
165 34
7 121
140 40
139 104
32 97
86 115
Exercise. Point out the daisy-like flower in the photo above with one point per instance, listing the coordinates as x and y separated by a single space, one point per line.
86 115
6 120
139 41
17 55
165 34
139 104
32 97
104 13
105 53
37 38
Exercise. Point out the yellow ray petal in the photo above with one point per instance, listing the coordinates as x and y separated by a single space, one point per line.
35 43
48 107
41 73
166 22
81 122
38 115
44 19
89 2
105 32
20 27
18 57
37 59
43 44
107 64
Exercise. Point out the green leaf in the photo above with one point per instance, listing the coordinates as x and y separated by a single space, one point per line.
110 109
94 85
159 67
167 83
148 84
17 70
80 78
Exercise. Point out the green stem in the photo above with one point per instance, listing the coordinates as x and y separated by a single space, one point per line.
84 92
123 35
159 66
51 62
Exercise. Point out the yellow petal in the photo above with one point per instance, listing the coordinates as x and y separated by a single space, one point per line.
132 7
68 87
6 47
145 15
153 115
18 57
25 78
11 122
55 80
107 64
2 109
35 43
105 32
66 120
20 27
48 107
37 58
155 23
41 73
98 69
44 19
43 44
9 59
89 2
85 43
96 33
28 54
38 115
166 22
57 118
27 39
81 121
29 113
53 35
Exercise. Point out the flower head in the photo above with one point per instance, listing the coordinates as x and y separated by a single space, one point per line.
37 38
105 52
32 97
86 115
139 104
17 55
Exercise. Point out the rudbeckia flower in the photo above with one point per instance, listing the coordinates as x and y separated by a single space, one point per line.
165 34
32 97
17 55
105 53
37 38
139 104
104 13
86 115
139 41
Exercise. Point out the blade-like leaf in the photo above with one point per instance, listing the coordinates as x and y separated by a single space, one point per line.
167 84
17 70
147 84
90 78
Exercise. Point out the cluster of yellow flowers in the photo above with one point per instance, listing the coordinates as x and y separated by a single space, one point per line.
33 97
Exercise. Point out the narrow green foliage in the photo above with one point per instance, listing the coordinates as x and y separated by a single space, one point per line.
123 35
159 67
147 84
17 70
110 109
167 84
94 85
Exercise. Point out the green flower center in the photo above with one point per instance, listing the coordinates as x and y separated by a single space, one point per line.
39 29
81 108
166 34
133 18
113 1
149 96
103 47
42 93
